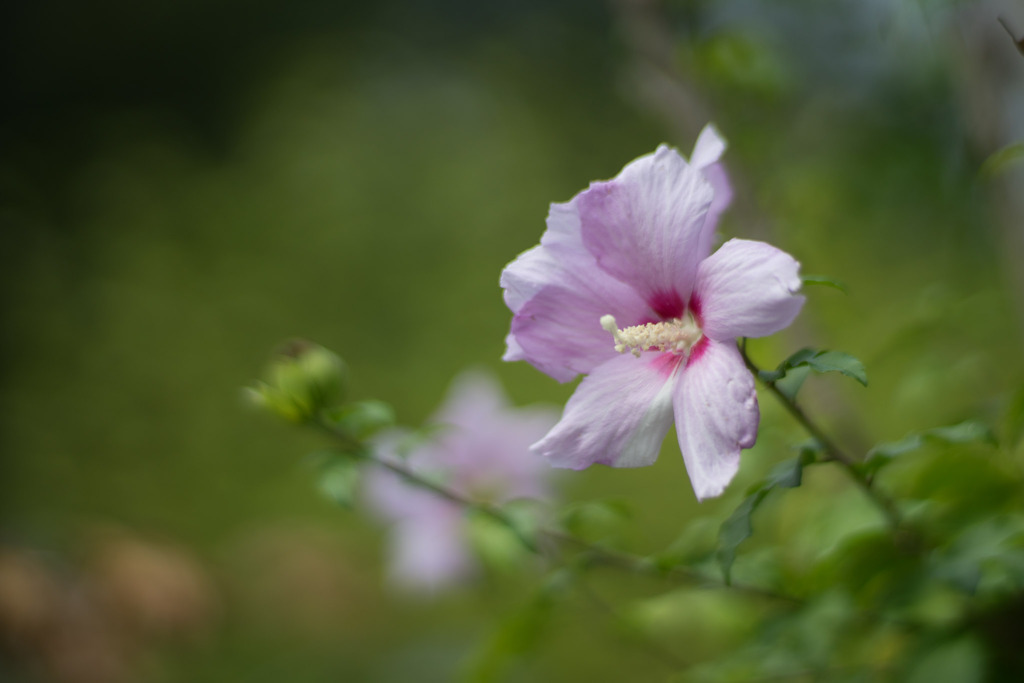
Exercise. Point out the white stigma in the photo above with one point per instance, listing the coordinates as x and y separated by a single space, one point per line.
678 335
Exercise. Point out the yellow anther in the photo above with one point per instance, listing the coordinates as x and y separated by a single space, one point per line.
677 335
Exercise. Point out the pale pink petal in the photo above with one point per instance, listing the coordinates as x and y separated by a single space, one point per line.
563 235
618 415
484 444
529 273
513 351
561 276
747 289
474 398
645 227
706 157
560 260
708 149
716 415
392 498
559 330
430 552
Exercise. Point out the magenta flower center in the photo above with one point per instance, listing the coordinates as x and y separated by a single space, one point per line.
678 335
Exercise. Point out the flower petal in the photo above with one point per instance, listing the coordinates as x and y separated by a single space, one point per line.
474 399
529 273
428 553
484 444
558 295
708 149
716 415
559 332
707 153
747 289
618 415
645 227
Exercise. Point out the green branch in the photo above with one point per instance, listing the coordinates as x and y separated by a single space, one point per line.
833 453
545 542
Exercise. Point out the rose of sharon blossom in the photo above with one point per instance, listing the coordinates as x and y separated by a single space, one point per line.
624 289
482 452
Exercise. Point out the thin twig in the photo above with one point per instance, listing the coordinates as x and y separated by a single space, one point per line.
596 554
832 451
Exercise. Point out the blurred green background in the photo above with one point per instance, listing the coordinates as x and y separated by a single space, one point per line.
185 185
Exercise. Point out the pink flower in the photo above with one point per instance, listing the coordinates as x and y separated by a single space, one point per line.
626 265
482 452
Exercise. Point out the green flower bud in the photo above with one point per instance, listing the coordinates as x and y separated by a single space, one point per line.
302 380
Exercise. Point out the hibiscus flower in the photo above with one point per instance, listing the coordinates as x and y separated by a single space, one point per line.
481 452
624 289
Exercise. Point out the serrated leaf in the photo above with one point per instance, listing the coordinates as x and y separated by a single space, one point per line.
969 431
824 281
788 474
791 373
790 383
739 527
838 361
798 358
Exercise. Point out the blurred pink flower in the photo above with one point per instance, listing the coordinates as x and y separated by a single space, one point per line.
627 265
482 452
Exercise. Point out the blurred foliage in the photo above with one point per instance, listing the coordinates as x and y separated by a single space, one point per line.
186 184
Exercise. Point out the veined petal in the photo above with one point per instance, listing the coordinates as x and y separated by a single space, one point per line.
530 272
716 415
747 289
709 147
558 295
706 157
645 227
618 415
559 332
558 328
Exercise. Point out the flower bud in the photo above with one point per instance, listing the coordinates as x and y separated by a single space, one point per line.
302 380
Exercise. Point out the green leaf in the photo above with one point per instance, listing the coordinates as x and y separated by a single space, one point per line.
362 419
992 549
1000 159
838 361
339 479
739 527
597 521
696 543
824 281
790 383
498 546
791 373
969 431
